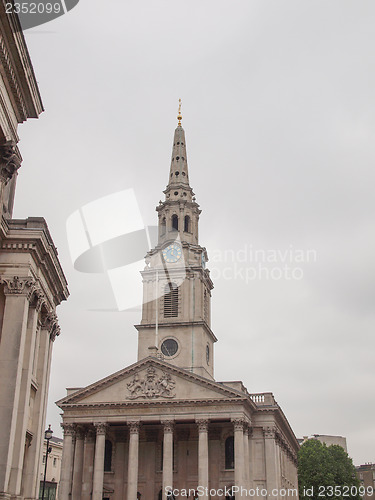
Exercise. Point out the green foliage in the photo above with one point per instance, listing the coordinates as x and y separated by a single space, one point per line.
326 473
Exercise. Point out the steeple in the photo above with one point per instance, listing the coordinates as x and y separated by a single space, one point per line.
179 174
176 318
179 212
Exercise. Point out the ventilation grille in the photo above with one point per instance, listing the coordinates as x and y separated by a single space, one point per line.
171 301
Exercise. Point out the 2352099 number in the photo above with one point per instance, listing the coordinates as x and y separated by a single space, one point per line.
33 8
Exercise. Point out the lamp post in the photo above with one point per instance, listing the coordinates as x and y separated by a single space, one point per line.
47 435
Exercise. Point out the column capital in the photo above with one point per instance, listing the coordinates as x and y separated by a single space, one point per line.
101 428
269 432
10 161
68 429
249 430
51 324
16 285
134 426
168 425
239 424
202 424
80 431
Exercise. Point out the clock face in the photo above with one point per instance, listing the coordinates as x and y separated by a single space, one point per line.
172 253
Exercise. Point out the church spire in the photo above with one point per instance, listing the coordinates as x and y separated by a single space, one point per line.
179 211
178 174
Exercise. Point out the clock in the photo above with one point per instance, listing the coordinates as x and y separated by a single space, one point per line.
172 253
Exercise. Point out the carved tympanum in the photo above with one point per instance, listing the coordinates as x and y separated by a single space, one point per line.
152 385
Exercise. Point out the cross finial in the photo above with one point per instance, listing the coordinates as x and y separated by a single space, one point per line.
179 116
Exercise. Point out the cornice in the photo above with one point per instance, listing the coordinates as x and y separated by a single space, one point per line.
153 403
18 71
32 236
173 324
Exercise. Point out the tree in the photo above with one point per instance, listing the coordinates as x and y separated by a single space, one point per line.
326 473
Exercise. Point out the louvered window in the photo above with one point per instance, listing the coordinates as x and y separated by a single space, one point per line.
171 301
205 306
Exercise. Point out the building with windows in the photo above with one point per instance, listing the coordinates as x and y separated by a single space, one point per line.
165 421
51 490
32 283
366 476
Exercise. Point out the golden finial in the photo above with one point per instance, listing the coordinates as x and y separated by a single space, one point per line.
179 117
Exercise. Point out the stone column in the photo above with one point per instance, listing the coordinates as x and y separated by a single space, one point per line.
167 456
97 487
119 465
48 329
78 464
66 462
203 455
12 346
246 458
238 425
250 467
272 472
133 460
88 465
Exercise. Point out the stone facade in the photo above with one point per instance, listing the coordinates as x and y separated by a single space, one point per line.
32 284
164 421
53 469
366 476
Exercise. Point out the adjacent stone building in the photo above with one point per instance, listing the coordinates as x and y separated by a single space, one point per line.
32 284
327 439
51 491
165 421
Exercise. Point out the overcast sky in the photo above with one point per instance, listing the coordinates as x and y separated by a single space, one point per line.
278 110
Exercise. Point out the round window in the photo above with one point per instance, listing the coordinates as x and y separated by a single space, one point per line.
169 347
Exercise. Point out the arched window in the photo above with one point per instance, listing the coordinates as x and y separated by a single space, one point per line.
171 300
187 224
163 225
175 222
108 456
229 452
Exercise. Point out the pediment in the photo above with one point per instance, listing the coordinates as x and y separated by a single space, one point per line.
150 380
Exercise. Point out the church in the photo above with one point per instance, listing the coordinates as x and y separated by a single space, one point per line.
164 427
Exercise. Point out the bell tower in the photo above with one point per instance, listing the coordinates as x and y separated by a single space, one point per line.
176 313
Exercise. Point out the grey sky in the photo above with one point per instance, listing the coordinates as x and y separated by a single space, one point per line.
278 101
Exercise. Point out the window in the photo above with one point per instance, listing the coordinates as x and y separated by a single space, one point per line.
55 462
187 224
171 300
108 456
205 306
175 222
163 226
229 452
44 459
169 347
